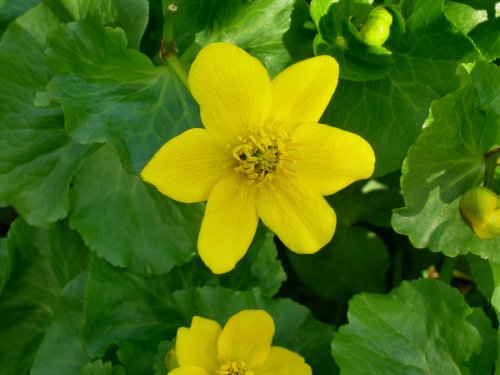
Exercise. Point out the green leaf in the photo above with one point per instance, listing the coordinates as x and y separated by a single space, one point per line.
115 95
143 311
370 202
455 165
163 348
440 227
128 222
137 359
464 17
353 251
259 268
5 264
482 361
422 327
486 78
10 9
44 265
389 112
486 36
37 158
489 5
123 306
133 18
61 350
271 30
130 15
437 173
99 368
483 277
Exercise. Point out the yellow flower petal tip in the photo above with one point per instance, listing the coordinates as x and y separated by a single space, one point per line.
479 208
262 154
242 347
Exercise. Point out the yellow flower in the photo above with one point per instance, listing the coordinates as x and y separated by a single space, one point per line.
480 208
243 347
261 154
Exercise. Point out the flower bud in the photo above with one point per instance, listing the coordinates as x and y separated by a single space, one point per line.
171 361
478 207
377 27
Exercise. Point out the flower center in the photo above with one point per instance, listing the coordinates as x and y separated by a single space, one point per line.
261 155
234 368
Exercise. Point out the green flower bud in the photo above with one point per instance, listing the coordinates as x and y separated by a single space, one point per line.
171 361
377 27
478 207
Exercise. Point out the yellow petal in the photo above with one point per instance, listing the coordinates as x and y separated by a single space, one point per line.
332 158
229 224
188 166
282 361
232 88
302 91
197 345
247 338
483 233
491 229
188 370
299 216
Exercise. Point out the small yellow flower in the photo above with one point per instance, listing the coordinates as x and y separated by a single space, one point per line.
261 154
243 347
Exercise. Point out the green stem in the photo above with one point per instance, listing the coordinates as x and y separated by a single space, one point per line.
397 267
168 49
495 270
168 26
446 270
491 165
175 64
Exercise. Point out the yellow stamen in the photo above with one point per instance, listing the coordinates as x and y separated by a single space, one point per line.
263 154
234 368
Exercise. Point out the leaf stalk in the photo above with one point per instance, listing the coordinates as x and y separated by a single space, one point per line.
168 48
491 164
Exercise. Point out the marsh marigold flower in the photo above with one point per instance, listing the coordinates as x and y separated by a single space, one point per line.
261 154
243 347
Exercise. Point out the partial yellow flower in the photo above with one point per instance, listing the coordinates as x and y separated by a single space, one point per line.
480 208
261 154
243 347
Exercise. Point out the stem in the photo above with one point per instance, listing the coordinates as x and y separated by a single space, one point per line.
178 69
446 271
495 270
397 267
168 48
168 28
491 164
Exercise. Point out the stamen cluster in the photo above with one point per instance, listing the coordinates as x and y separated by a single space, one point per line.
261 154
234 368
